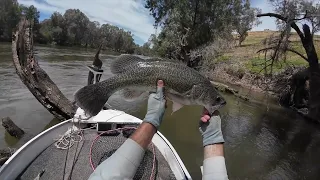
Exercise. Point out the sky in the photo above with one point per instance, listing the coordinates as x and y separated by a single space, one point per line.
127 14
267 22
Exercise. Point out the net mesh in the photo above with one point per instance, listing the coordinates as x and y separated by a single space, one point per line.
106 144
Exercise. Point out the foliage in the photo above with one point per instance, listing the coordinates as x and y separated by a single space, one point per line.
213 53
31 13
246 20
312 14
9 17
187 25
73 28
308 10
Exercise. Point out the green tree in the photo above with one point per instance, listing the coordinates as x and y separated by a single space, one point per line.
73 28
117 39
46 32
9 17
32 14
77 25
188 24
246 20
58 29
312 11
92 37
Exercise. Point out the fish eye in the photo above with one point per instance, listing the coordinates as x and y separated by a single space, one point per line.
218 99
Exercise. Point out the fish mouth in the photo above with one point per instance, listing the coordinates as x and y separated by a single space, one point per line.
217 107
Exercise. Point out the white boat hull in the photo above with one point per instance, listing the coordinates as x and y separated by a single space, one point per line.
25 155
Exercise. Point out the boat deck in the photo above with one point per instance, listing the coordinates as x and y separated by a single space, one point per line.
75 163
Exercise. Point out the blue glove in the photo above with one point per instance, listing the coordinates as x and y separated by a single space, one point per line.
210 129
156 106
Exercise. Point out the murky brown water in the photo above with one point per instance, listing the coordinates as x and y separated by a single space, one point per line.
262 142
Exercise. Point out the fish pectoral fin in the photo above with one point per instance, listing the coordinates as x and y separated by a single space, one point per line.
176 106
178 101
131 94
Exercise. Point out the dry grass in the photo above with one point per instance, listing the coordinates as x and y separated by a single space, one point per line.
251 61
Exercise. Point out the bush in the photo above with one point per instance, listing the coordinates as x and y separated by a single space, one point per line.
235 70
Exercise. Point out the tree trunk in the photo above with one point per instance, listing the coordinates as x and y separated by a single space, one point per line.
12 128
314 103
35 78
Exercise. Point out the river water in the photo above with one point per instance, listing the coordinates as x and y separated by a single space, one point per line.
263 140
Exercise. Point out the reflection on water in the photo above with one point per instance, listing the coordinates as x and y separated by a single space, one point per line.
261 142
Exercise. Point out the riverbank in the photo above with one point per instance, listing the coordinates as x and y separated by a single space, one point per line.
222 75
289 88
242 66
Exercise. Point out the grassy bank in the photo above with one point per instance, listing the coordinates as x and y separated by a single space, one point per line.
248 60
243 66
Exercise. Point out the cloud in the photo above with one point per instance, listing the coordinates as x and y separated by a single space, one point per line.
128 14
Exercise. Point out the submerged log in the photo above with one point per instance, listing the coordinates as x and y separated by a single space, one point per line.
12 128
36 79
226 89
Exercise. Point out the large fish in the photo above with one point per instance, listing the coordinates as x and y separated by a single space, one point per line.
183 85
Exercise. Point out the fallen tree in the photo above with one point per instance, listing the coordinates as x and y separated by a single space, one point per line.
35 78
311 75
37 81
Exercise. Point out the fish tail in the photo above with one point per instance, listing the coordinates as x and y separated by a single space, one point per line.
91 98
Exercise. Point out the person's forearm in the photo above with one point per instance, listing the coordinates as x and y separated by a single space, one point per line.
213 150
127 157
122 164
214 166
143 135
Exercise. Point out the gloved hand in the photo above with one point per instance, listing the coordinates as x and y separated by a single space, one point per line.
156 106
210 128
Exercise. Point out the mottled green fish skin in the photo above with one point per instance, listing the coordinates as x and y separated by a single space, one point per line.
121 63
178 79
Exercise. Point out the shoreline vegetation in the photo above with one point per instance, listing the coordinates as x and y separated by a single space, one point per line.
73 28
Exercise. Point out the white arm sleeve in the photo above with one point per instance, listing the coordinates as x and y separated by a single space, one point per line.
123 164
214 168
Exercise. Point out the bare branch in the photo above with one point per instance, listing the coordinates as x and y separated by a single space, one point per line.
293 24
265 68
287 49
183 40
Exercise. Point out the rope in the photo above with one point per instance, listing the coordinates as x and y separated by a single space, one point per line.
76 155
109 131
65 162
71 137
67 140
